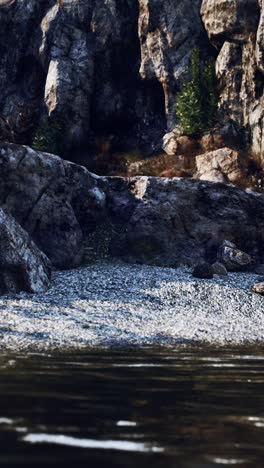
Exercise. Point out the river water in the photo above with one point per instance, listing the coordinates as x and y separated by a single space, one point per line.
151 407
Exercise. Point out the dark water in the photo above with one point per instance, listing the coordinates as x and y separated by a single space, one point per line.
133 408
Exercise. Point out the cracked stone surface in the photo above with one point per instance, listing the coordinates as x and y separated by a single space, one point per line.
23 267
55 201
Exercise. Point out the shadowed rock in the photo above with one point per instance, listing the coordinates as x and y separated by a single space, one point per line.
203 271
219 269
185 218
23 267
55 201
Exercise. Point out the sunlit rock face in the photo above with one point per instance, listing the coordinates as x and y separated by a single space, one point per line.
236 29
168 32
100 67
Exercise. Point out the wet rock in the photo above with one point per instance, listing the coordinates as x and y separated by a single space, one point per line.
203 271
55 201
219 269
23 267
258 288
232 258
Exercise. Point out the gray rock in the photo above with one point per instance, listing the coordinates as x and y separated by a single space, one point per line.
219 269
236 29
233 258
203 271
73 60
23 267
55 201
177 28
186 218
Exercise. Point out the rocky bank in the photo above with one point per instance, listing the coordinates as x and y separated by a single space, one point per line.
51 209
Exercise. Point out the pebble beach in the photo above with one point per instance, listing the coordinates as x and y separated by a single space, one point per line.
116 304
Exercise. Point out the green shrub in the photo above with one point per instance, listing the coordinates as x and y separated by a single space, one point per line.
48 137
196 107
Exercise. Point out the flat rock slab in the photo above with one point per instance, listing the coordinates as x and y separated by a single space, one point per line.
115 304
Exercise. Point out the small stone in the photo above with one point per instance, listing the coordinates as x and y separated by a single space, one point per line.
219 269
258 288
203 271
232 258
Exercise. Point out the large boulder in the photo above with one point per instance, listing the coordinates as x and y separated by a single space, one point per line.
186 219
222 165
23 267
55 201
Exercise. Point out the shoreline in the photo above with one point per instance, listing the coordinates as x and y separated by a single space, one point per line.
113 304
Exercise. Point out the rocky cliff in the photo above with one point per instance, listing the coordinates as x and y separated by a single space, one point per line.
113 68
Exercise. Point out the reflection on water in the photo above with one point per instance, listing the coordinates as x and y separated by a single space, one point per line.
151 407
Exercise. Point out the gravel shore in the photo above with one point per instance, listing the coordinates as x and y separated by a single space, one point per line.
113 304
